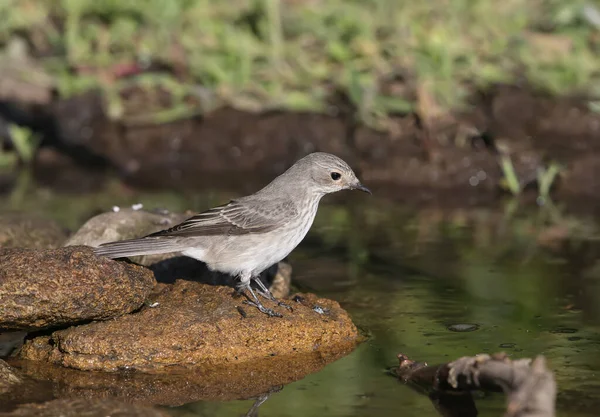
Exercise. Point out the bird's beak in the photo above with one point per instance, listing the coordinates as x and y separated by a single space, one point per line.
360 187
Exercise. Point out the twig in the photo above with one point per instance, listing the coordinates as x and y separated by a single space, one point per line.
529 386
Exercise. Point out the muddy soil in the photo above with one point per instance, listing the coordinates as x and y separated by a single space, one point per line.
456 153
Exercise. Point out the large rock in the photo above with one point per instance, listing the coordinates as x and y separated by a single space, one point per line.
78 407
57 287
196 325
23 231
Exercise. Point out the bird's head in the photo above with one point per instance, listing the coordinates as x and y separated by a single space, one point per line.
328 174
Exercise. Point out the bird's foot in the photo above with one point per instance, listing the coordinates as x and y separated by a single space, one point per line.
264 292
270 297
269 312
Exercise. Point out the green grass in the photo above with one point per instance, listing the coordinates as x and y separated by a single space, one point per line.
292 54
25 143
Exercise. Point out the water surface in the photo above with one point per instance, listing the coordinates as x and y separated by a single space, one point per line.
526 277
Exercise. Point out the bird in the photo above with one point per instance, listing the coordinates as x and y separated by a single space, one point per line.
249 234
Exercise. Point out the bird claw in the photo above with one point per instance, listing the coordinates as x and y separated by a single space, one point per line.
270 297
284 305
269 312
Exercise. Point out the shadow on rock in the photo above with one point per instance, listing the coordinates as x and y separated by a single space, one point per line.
277 277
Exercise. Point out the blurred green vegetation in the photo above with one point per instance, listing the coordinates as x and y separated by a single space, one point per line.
385 55
25 143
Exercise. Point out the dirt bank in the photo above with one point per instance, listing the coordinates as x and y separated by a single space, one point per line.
424 151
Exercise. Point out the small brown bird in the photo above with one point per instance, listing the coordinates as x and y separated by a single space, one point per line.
249 234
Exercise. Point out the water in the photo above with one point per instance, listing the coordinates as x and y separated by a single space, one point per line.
521 280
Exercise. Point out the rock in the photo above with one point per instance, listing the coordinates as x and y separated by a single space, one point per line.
78 407
224 382
25 231
280 287
56 287
9 377
129 223
196 325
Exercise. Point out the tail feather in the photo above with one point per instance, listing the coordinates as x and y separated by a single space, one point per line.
135 247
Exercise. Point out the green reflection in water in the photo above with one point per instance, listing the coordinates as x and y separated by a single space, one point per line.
527 278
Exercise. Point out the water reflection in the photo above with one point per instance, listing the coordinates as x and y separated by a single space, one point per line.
527 278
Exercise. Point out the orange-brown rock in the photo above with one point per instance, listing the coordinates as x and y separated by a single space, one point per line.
78 407
57 287
197 325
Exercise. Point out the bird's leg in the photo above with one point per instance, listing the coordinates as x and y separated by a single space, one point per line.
245 285
264 291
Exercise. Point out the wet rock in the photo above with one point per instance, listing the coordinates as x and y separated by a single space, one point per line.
9 377
226 382
128 223
196 325
24 231
55 287
79 407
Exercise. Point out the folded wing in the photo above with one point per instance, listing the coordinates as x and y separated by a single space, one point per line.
234 218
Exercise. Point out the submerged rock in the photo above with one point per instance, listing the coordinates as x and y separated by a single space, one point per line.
78 407
57 287
23 231
197 325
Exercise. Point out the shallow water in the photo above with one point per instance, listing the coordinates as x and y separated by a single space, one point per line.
526 277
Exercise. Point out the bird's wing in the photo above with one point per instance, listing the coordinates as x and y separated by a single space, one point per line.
234 218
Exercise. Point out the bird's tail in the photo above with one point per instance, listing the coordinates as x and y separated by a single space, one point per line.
141 246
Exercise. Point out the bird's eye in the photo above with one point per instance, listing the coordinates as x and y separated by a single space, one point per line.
336 176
